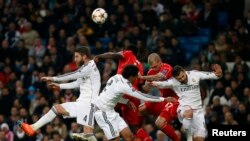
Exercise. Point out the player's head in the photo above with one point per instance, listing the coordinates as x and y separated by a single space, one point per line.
133 48
154 60
130 72
179 74
82 54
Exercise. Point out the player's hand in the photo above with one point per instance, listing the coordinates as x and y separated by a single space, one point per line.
217 70
54 86
96 59
153 84
170 99
131 105
47 78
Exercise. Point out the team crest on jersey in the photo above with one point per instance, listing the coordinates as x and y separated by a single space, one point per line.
164 71
193 80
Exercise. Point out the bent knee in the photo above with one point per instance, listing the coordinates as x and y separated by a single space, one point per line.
129 138
188 113
60 110
160 122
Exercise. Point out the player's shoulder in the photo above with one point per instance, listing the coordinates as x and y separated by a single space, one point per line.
151 72
194 73
166 66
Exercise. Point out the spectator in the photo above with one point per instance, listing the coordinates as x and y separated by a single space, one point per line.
9 135
229 119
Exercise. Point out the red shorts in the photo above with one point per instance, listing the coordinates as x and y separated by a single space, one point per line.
155 108
130 116
163 109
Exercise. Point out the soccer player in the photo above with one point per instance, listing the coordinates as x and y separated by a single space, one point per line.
130 112
190 111
118 85
166 112
87 78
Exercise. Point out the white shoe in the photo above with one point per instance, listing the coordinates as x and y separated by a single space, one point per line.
79 136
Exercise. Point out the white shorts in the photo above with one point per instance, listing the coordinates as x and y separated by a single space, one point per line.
110 122
82 111
198 122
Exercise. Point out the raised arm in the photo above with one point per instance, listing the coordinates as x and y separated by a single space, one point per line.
109 55
216 74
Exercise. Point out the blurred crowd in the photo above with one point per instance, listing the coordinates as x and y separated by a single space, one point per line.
38 38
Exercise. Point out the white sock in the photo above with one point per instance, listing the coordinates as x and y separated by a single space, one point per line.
187 128
45 119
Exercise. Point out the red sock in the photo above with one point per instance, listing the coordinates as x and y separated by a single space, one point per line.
170 132
143 135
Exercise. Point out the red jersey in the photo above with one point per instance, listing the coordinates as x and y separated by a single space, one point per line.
166 70
128 59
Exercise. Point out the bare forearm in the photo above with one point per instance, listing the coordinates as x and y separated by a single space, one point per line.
109 55
152 77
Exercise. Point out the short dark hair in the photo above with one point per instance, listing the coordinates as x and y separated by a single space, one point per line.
130 70
133 48
176 70
83 50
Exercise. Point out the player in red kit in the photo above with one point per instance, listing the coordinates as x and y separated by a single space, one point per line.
166 112
130 112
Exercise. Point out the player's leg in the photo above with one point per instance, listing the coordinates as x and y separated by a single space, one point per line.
186 114
107 121
140 132
48 117
163 122
127 134
151 108
85 117
198 125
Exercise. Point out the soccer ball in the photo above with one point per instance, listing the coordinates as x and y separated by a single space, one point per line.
99 16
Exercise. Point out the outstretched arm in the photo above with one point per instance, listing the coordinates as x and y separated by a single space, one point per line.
108 55
162 84
80 73
156 77
216 74
137 94
70 85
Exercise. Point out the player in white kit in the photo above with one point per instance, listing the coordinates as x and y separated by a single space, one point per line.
118 85
87 78
190 111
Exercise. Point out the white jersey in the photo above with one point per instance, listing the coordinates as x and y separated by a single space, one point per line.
115 88
189 94
87 78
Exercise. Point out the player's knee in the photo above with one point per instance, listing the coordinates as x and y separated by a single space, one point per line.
160 122
133 128
59 110
129 137
188 113
56 108
87 130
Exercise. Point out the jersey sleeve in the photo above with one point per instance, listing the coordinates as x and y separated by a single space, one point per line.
205 75
71 85
164 84
129 90
84 71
